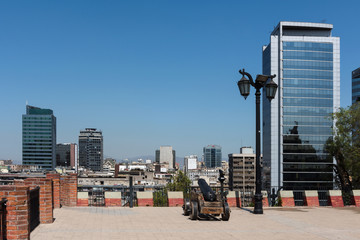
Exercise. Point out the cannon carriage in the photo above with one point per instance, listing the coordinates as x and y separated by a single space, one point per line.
207 202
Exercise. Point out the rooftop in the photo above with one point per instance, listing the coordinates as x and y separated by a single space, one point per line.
169 223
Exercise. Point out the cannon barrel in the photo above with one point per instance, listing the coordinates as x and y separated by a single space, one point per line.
206 190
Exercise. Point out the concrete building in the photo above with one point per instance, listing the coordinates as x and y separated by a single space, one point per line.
39 137
91 149
306 60
190 162
355 85
212 156
166 154
66 155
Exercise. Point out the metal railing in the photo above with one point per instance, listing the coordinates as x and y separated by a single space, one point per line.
160 198
3 219
34 208
97 197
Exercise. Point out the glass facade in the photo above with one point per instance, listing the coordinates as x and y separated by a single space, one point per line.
212 156
356 85
307 103
39 137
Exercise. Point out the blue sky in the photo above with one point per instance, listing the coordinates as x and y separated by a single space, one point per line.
148 73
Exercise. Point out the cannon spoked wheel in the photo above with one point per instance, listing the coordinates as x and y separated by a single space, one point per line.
187 207
226 215
194 210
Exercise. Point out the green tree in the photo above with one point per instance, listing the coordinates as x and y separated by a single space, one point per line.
345 146
180 182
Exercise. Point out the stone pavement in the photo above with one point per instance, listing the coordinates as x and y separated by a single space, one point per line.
169 223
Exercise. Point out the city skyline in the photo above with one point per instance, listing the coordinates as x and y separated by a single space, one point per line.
162 74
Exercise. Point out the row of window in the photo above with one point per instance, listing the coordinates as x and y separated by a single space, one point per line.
37 125
321 176
304 149
307 92
37 137
32 133
307 158
293 82
300 64
320 130
306 139
307 167
322 121
308 102
312 74
307 111
319 56
308 46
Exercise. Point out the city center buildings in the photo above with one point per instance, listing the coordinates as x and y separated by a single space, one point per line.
91 149
39 137
306 60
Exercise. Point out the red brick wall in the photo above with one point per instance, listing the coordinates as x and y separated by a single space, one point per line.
287 202
311 201
145 202
46 202
357 201
82 202
175 202
68 190
18 212
265 202
56 188
113 202
336 201
234 202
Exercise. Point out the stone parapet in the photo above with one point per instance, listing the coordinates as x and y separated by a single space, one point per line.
82 199
311 198
234 199
265 200
175 199
335 198
145 199
356 197
113 199
287 199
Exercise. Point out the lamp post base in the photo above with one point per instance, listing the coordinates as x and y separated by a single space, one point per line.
258 207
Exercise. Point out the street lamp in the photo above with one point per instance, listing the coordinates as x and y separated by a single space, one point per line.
270 87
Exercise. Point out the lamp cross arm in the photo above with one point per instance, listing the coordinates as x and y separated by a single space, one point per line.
242 72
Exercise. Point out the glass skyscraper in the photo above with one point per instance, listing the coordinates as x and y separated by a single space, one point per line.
212 156
356 85
39 137
296 124
91 149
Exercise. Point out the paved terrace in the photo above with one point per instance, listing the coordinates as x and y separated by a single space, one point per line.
169 223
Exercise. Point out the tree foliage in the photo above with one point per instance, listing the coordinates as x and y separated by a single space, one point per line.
180 182
345 146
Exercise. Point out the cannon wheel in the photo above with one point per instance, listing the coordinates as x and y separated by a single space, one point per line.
187 207
226 215
194 210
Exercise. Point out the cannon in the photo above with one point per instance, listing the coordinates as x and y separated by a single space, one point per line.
207 202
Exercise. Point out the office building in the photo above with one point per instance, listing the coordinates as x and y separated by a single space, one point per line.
66 154
356 85
212 156
190 162
306 60
39 137
91 149
167 155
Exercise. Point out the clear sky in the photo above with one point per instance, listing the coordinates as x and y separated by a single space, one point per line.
148 73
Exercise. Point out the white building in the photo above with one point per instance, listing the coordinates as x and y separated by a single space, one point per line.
306 60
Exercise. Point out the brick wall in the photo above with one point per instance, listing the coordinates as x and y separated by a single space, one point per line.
56 188
356 196
113 199
287 199
311 198
83 199
335 198
68 190
145 199
18 212
45 200
175 199
234 199
265 200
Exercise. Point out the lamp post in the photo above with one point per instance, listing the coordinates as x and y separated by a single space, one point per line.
270 87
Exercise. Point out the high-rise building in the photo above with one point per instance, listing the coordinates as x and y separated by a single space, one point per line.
190 162
306 60
66 154
356 85
91 149
39 137
212 156
167 155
